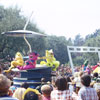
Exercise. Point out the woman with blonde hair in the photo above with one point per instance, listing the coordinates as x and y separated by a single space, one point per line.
18 93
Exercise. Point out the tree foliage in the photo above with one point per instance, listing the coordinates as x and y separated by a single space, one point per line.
92 40
78 41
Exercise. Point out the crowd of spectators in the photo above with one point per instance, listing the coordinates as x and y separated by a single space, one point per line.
63 86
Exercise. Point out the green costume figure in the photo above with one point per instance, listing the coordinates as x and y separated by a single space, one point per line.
85 64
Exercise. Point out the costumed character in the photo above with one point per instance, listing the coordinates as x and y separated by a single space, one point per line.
85 65
94 67
97 70
50 60
18 61
88 70
30 63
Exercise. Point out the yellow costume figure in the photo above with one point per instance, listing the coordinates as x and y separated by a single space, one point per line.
18 61
50 60
97 70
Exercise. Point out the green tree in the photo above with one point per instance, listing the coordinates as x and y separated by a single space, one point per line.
92 40
69 42
79 41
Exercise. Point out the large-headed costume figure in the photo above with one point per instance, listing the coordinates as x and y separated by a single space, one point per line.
30 63
97 69
50 60
18 61
85 65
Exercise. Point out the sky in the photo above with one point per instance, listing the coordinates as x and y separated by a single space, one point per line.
61 17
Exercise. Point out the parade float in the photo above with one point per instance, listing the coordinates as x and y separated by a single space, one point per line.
28 70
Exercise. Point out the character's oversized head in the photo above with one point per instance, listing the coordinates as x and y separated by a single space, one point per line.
18 56
49 53
33 56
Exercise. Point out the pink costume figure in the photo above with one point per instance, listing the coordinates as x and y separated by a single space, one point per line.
88 70
31 62
94 67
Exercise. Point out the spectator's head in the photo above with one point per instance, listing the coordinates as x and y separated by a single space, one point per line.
80 73
92 84
0 70
86 80
25 85
72 78
53 81
76 74
48 82
18 93
98 63
5 83
46 90
31 94
43 80
61 83
68 79
12 83
95 74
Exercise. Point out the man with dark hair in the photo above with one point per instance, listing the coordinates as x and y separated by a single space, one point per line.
86 92
61 92
25 85
95 76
